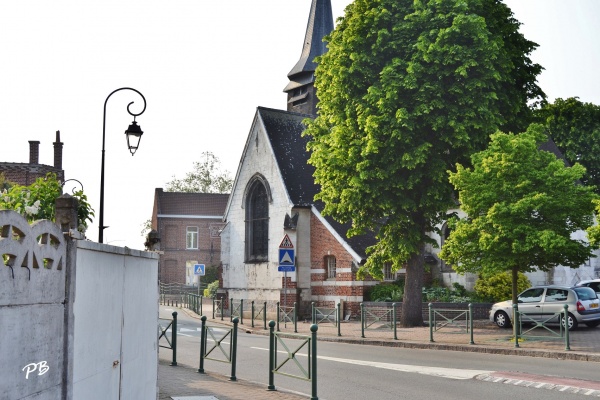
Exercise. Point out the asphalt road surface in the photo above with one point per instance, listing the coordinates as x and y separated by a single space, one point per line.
348 372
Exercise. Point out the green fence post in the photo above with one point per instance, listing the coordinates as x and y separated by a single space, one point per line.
277 318
516 327
242 311
339 321
394 321
566 319
234 348
252 312
265 315
213 308
231 310
431 322
174 338
295 317
313 361
202 344
362 320
222 305
201 301
313 313
271 355
471 322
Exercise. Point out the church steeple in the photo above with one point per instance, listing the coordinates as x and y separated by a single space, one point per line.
301 92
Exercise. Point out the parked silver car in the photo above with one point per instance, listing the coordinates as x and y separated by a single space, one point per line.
543 303
593 283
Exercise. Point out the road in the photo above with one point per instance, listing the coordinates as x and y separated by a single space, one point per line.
348 372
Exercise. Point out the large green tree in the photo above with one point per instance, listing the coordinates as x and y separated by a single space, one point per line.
593 232
206 177
406 90
575 128
523 206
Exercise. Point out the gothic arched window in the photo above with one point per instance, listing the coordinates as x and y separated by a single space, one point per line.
257 222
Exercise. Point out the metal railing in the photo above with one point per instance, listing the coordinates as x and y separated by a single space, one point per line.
386 317
261 313
287 314
162 332
217 308
453 321
237 310
213 332
308 373
561 333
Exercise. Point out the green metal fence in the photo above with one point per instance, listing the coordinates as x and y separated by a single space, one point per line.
218 334
162 333
236 310
454 321
376 317
259 314
287 314
307 372
540 329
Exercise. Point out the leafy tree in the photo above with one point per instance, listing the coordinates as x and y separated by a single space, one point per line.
406 90
5 184
523 206
38 201
205 178
574 127
594 231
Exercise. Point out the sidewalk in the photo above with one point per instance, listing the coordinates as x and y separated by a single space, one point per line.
185 383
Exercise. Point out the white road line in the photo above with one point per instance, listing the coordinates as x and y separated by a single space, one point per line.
450 373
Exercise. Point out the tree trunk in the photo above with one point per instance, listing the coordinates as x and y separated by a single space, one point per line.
412 303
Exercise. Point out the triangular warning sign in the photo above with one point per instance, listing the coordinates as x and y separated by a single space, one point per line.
286 259
286 243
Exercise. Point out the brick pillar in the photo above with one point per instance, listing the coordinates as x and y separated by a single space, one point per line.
66 212
58 145
34 152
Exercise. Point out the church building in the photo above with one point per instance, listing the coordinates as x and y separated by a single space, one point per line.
276 245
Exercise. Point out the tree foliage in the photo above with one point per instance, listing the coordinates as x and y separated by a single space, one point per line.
574 126
206 177
38 201
498 287
406 90
523 206
593 232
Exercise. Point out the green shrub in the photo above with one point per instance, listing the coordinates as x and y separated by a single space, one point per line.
211 290
387 292
498 287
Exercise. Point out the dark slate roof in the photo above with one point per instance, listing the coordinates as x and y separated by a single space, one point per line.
320 23
284 129
179 203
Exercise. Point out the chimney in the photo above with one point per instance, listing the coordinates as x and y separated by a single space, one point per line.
34 152
58 145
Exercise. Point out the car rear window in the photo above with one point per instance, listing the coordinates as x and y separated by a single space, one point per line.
585 293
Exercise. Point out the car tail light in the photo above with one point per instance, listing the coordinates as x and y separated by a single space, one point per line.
580 306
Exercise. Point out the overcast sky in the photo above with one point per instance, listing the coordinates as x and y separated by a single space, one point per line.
203 66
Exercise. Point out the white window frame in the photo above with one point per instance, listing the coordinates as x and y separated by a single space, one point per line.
330 266
388 275
191 238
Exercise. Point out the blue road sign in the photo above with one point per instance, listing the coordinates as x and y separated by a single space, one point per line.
286 268
199 269
286 257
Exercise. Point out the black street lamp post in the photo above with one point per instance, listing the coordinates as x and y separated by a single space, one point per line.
134 134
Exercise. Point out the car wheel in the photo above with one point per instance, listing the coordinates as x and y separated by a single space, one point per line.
571 321
501 319
593 324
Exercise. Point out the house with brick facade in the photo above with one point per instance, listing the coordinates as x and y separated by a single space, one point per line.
26 173
189 226
273 198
